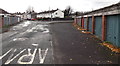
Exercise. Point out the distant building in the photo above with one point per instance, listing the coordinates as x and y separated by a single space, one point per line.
29 15
51 14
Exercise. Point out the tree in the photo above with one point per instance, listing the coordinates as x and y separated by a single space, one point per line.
68 11
79 13
30 9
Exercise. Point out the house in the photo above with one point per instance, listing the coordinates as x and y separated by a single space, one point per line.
29 15
51 14
24 15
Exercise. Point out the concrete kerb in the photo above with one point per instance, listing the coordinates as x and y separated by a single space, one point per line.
81 29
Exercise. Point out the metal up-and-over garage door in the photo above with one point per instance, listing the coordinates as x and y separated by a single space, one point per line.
98 26
90 24
113 29
85 23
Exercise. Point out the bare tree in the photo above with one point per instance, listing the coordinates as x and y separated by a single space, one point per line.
30 9
68 11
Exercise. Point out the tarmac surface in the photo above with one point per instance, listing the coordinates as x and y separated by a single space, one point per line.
27 43
36 42
73 47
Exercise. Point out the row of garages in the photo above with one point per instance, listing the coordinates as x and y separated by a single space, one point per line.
105 27
9 20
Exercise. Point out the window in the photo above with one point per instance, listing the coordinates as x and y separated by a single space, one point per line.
56 13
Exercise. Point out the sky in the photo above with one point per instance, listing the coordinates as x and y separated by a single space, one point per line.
41 5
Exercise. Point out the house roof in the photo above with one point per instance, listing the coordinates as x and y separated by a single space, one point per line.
3 11
107 8
52 11
18 13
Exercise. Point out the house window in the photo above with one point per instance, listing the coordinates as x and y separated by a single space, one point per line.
56 13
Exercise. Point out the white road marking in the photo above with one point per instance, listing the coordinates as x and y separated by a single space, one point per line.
35 45
13 34
23 33
15 50
46 31
40 56
5 53
52 47
29 30
14 39
30 56
27 55
26 24
11 55
35 31
51 43
19 39
10 60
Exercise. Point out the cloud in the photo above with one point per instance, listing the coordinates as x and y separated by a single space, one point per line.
41 5
103 3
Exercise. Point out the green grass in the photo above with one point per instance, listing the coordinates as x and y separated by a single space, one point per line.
107 42
6 26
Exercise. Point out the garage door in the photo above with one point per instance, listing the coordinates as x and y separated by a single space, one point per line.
98 26
85 23
6 20
79 22
112 29
118 38
90 24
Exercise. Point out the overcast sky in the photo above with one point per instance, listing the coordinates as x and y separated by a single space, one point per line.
41 5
